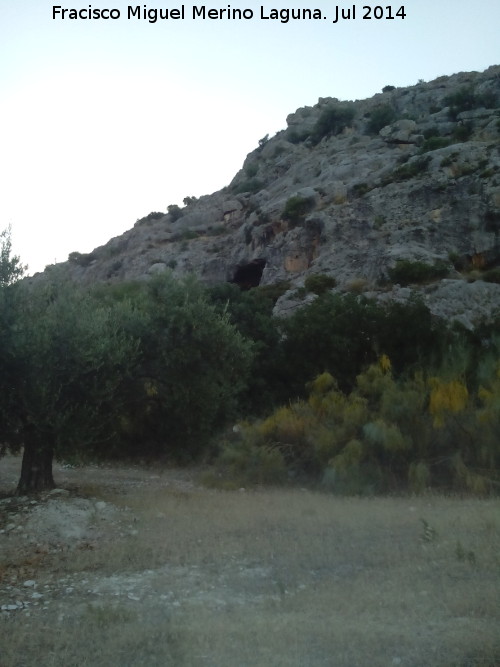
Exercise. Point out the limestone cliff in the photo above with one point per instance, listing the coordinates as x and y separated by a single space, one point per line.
351 190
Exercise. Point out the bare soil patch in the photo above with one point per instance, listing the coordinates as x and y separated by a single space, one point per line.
131 566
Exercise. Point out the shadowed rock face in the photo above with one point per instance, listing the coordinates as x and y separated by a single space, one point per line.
350 203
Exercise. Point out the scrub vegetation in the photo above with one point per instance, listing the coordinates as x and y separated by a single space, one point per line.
346 393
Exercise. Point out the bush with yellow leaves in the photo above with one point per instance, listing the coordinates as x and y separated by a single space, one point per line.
387 434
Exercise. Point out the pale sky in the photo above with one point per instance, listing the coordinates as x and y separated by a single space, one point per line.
104 121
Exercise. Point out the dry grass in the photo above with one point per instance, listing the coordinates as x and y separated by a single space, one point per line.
273 578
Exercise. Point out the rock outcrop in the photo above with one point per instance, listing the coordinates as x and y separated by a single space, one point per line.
349 190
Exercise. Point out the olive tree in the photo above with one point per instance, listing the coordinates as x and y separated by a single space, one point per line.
191 369
11 270
66 356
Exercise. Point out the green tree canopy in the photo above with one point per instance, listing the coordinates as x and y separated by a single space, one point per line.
192 367
66 357
11 268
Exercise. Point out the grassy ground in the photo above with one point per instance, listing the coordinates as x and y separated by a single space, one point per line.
269 578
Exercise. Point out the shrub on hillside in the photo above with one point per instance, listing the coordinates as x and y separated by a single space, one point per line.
408 170
296 208
433 143
81 258
332 121
465 99
248 185
492 275
175 212
380 117
407 272
319 283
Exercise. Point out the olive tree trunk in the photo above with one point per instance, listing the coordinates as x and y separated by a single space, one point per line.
36 470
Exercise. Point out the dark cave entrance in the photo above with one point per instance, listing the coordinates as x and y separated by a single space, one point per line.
249 275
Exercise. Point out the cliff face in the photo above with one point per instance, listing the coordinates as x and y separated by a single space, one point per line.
351 190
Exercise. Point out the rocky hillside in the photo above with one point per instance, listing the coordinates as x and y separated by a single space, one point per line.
387 195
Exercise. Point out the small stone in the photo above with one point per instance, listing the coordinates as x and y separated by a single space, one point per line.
29 583
100 505
36 596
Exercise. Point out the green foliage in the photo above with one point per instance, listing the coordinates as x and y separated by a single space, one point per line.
175 212
342 334
419 476
407 272
462 100
192 367
431 132
434 143
408 170
273 291
154 215
410 336
492 276
11 268
332 121
386 434
189 235
465 99
388 89
250 312
360 189
449 159
462 132
243 463
334 333
82 259
249 185
67 357
251 169
296 208
217 230
295 137
319 283
135 369
381 116
187 201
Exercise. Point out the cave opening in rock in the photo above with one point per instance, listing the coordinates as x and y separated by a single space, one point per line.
249 275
